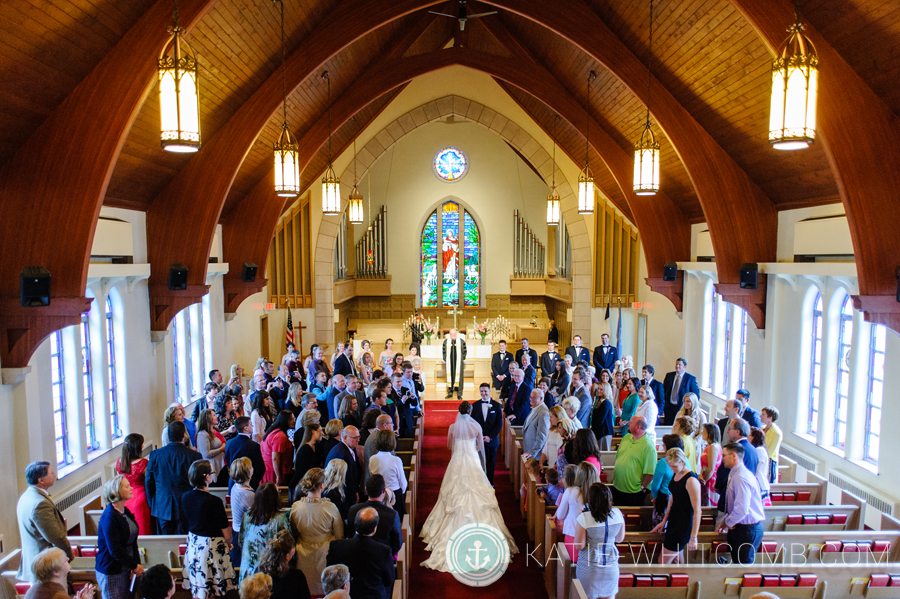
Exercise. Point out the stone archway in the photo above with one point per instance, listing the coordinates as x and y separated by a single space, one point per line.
517 137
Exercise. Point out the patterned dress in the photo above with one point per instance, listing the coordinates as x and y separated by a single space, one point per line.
253 539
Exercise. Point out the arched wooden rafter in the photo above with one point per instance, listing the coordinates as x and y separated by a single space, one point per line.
665 232
197 194
862 143
730 199
52 189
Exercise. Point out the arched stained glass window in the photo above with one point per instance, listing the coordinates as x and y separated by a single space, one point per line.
113 380
457 265
877 346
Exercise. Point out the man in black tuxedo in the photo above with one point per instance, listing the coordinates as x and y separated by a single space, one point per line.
647 376
167 480
677 384
371 563
500 365
605 355
549 359
510 381
526 350
577 352
489 415
343 364
243 446
346 450
518 405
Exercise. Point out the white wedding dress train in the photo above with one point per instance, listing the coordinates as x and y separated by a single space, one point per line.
466 496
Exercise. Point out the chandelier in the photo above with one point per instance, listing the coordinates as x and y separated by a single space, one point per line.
586 178
179 93
553 196
646 151
287 164
331 185
795 79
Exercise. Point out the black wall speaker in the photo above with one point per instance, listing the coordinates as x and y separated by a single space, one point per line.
34 286
178 277
248 273
670 271
749 276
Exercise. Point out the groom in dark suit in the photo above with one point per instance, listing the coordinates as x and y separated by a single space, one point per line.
489 415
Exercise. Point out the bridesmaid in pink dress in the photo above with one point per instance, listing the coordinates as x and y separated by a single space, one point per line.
132 466
710 460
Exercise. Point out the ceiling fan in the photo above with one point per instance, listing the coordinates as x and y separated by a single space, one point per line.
463 15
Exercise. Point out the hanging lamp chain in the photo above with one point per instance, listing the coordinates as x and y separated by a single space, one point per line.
649 64
328 81
355 180
587 131
175 14
283 60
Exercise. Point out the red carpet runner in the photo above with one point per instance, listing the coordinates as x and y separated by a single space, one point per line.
519 581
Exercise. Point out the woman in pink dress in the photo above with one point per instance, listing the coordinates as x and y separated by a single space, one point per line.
132 466
278 451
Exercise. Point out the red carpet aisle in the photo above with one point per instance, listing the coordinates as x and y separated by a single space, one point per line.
519 581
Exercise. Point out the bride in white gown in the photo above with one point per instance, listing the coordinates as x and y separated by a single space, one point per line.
466 495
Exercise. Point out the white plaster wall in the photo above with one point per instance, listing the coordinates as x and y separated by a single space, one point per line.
497 183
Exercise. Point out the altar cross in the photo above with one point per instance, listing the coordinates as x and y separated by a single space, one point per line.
455 312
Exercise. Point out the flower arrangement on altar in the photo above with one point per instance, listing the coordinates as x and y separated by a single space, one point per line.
482 330
429 330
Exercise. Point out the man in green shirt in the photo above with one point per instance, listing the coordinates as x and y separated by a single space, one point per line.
635 463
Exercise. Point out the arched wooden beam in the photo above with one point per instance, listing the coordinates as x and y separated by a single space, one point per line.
742 220
52 189
862 142
197 194
665 233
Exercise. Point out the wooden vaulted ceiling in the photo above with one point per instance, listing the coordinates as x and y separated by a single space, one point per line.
705 54
710 62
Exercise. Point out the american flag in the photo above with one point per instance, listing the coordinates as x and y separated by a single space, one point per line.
289 332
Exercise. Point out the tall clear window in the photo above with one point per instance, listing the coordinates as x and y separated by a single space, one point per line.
877 344
111 374
843 379
713 326
63 456
726 362
742 367
175 350
815 367
88 384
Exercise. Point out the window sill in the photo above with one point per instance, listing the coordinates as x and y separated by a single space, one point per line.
865 465
97 453
807 437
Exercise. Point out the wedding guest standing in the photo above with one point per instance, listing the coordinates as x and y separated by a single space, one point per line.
276 558
682 519
260 523
597 530
278 451
207 562
390 467
315 522
168 479
118 558
132 465
211 445
241 500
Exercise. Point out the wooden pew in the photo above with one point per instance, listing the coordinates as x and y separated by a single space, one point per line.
397 592
780 518
222 493
406 532
540 515
403 571
787 470
550 556
693 581
90 511
515 469
798 548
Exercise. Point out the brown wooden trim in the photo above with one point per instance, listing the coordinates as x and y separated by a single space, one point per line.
23 329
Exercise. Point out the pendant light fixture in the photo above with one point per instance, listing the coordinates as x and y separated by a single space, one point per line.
586 178
287 165
331 185
179 93
646 151
553 196
795 83
355 207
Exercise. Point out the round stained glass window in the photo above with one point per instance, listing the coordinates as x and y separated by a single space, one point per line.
450 164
